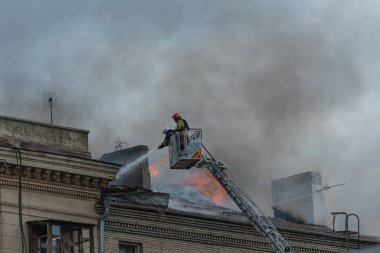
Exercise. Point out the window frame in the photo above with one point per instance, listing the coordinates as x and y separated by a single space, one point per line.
138 246
37 230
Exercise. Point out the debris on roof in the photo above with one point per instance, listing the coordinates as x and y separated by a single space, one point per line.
136 195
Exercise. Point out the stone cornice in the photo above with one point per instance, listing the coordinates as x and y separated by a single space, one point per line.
50 189
62 163
51 181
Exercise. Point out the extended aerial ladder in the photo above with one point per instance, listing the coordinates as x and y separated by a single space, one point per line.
185 152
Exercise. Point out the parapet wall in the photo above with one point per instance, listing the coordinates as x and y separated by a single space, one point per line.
44 137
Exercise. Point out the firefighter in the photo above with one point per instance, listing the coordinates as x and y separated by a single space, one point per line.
181 127
168 133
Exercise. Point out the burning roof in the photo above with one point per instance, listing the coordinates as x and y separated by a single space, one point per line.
136 195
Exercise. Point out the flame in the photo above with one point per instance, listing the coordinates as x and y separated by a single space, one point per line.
206 184
153 171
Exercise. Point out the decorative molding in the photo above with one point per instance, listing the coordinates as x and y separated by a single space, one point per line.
170 233
193 235
66 178
103 183
85 181
60 162
56 177
50 189
27 172
76 180
94 182
300 241
162 215
36 174
46 175
52 181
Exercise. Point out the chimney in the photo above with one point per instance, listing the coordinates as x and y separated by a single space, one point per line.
297 199
138 176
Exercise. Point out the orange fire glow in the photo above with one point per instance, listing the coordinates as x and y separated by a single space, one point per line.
153 171
206 184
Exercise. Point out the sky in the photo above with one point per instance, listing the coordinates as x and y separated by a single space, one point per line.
278 87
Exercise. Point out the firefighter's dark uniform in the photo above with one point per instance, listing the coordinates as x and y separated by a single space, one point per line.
181 126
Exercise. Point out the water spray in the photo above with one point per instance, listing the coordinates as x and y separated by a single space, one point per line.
133 164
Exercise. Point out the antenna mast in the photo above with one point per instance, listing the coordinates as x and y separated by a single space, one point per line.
50 101
327 187
119 143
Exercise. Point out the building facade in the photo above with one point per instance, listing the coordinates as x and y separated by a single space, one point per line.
150 230
51 201
48 188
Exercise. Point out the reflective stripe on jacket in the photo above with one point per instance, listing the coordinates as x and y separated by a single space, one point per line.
181 126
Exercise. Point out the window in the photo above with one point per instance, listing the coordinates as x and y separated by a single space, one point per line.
60 237
130 248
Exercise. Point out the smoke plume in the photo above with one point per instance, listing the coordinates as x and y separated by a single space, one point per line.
278 87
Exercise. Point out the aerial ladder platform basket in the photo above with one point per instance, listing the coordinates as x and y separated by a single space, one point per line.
185 149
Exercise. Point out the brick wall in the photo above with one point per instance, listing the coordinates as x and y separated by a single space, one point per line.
162 231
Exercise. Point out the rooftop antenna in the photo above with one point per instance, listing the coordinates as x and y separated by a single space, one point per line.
50 101
327 187
119 144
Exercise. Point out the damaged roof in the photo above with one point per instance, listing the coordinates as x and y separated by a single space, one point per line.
135 195
233 216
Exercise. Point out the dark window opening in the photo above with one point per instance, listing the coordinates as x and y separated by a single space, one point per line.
130 247
60 237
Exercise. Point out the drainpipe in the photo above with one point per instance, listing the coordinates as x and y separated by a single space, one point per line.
107 205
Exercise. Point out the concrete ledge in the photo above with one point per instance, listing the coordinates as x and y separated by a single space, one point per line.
19 131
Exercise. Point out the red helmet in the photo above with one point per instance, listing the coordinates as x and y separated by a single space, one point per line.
176 116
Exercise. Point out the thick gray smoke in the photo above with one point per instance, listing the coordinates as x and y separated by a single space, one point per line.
278 87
